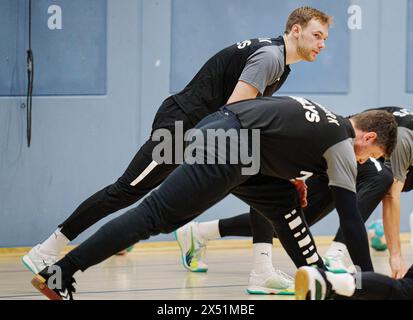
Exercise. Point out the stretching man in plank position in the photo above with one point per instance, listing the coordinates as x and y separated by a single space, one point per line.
375 183
296 138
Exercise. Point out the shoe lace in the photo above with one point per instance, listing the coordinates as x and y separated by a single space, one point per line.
336 255
199 247
200 250
48 261
285 276
46 258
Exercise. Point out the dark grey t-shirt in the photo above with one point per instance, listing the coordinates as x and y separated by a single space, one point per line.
402 157
342 165
401 160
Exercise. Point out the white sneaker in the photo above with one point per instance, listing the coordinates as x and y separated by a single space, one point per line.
334 261
273 282
36 261
192 247
311 284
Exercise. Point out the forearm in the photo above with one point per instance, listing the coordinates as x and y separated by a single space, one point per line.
391 219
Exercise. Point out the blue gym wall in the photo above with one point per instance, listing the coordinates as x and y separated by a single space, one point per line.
100 79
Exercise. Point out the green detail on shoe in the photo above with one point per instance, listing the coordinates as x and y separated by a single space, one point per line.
27 266
336 271
256 292
189 255
286 293
281 293
199 270
318 290
187 260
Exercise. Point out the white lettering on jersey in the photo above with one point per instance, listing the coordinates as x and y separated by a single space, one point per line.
243 44
305 175
402 113
312 114
377 164
264 40
331 117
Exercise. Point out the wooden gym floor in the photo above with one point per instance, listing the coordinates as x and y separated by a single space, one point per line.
156 273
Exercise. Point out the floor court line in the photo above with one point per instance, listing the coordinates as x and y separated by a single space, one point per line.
128 291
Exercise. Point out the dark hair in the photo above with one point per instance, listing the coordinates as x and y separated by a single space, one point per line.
382 123
303 15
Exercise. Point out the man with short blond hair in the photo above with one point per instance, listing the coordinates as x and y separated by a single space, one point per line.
302 16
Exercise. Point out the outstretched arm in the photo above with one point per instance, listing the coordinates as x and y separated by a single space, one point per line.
391 222
342 173
353 227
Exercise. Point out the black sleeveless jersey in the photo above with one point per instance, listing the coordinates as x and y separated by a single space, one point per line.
295 133
214 83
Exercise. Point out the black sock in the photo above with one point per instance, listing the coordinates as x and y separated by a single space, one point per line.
235 226
68 268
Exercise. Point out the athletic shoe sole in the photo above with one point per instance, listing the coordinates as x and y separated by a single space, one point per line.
123 252
302 285
309 284
268 291
40 284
